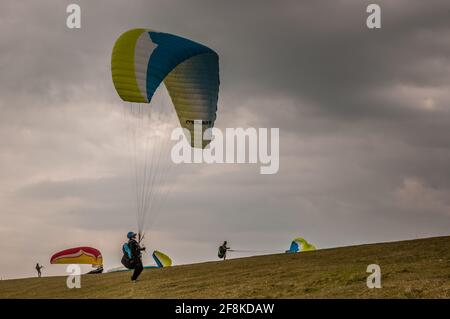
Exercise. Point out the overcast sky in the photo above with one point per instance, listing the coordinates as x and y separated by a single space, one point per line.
364 118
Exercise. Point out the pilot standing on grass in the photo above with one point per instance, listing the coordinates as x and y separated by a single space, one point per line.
136 256
223 250
38 269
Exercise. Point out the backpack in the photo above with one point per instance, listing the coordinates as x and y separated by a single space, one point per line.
127 251
221 252
127 259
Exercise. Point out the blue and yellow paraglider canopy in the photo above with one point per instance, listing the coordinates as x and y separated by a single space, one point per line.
162 260
142 59
299 245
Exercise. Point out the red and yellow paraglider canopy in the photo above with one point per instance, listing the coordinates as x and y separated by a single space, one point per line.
78 255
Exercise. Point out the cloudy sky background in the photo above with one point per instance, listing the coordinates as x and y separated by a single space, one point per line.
364 118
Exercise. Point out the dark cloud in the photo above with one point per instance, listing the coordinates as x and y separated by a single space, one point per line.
363 115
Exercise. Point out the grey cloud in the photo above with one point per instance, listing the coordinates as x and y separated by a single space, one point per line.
363 115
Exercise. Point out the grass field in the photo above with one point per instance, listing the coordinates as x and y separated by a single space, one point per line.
410 269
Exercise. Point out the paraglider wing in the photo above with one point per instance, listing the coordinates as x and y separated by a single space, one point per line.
300 245
161 259
142 59
123 269
78 255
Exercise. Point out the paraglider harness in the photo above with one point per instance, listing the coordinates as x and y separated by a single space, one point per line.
222 251
129 260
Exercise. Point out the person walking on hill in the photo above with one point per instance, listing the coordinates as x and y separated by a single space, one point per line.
38 269
223 250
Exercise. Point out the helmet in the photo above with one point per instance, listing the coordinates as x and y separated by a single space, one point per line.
131 235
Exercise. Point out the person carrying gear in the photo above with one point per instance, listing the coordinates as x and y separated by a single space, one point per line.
132 256
223 251
38 269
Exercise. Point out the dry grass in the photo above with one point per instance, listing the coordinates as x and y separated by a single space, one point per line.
410 269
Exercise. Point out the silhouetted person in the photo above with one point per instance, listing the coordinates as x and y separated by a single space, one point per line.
223 250
38 269
132 256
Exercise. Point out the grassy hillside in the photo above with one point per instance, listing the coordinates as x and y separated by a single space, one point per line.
410 269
